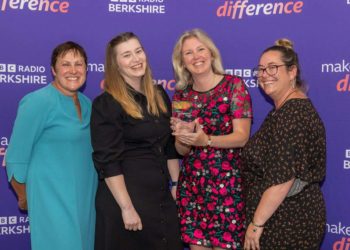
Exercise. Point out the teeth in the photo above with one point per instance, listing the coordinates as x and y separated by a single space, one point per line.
72 78
137 66
198 63
267 83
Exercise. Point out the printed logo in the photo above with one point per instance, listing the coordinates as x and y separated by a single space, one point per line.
343 244
239 9
347 159
247 76
11 68
168 84
3 220
12 220
343 84
137 6
95 67
338 228
14 225
54 6
22 74
7 67
124 1
2 67
3 146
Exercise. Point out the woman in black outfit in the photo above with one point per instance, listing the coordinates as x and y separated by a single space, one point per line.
133 154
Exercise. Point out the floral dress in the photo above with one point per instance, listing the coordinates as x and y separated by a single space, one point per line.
209 194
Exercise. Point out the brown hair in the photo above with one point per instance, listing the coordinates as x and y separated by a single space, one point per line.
118 88
289 58
63 48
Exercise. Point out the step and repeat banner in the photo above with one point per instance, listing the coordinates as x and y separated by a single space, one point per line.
320 30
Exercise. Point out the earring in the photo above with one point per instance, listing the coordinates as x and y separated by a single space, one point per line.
294 81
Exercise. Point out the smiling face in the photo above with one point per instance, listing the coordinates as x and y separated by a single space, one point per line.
279 84
69 72
131 60
196 57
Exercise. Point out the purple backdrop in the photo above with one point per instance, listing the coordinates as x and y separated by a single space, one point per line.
30 29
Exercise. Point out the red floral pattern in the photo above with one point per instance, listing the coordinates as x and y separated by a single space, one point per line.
209 195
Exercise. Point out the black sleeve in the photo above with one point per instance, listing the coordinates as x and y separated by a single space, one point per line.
107 136
170 149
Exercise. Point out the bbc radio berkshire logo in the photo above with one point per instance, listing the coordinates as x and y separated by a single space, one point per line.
22 74
12 225
53 6
137 6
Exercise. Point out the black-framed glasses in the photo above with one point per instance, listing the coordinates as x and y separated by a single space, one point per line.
271 70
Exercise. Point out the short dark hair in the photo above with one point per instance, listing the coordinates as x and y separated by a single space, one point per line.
64 48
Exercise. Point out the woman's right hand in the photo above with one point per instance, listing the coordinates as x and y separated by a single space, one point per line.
131 218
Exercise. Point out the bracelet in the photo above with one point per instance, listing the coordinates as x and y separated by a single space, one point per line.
173 183
256 225
209 141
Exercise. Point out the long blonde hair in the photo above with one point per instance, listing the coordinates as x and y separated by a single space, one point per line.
182 75
117 87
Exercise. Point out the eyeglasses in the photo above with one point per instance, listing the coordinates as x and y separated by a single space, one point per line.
271 70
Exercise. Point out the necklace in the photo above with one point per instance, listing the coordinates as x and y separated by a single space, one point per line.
282 103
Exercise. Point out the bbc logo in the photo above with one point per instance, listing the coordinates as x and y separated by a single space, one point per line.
347 151
3 220
239 72
10 68
2 67
11 220
124 1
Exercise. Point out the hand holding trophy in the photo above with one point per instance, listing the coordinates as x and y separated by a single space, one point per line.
182 120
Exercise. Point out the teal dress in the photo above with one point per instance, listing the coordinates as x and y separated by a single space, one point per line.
50 150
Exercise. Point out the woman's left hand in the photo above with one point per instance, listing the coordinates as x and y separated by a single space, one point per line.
197 138
180 126
252 237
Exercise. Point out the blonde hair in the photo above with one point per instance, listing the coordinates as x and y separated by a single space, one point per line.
118 88
284 42
182 76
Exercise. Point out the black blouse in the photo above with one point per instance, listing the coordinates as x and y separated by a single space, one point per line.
117 136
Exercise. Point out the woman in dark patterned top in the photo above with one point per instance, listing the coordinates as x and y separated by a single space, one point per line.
285 161
210 201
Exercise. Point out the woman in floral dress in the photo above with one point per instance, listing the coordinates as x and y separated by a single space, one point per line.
209 192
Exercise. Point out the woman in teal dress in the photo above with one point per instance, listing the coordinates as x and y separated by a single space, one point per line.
50 152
